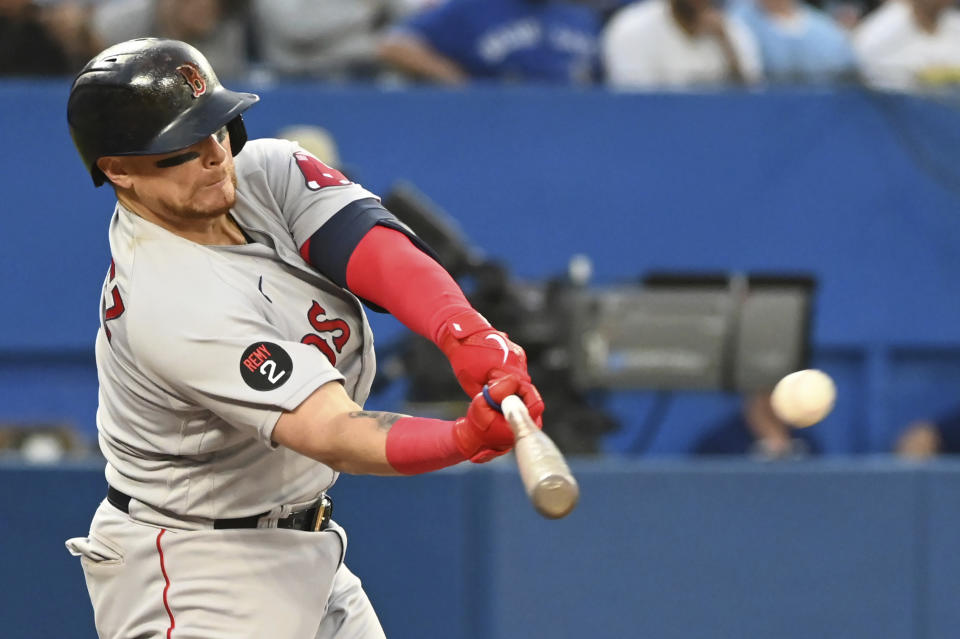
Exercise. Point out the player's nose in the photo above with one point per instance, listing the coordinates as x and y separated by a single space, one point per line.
215 150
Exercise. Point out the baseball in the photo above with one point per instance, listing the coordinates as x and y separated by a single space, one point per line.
804 398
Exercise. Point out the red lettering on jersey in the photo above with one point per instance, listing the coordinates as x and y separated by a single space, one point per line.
116 308
316 174
192 75
321 344
257 357
337 330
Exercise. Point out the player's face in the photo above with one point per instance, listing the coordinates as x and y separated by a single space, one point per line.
194 183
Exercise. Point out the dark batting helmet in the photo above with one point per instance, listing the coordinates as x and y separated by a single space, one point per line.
149 96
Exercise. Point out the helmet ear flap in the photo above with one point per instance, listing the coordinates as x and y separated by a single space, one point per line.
99 179
238 134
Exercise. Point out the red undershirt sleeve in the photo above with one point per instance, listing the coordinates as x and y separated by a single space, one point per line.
388 270
420 445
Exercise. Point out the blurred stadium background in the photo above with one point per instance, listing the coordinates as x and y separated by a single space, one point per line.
549 202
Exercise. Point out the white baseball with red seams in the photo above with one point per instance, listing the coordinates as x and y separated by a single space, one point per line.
804 398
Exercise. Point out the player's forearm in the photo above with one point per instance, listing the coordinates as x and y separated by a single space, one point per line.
412 56
388 270
330 427
356 443
380 443
352 442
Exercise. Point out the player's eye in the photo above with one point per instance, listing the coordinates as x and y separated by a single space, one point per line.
181 158
176 160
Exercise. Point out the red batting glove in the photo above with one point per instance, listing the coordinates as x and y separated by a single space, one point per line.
478 353
484 433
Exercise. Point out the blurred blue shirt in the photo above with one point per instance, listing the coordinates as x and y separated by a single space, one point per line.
524 40
809 48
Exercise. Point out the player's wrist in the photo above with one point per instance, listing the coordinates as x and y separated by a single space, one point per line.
418 445
467 439
475 447
458 326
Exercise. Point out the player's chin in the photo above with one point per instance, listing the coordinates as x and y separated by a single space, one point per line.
217 197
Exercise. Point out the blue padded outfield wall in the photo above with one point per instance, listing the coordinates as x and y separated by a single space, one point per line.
656 550
859 189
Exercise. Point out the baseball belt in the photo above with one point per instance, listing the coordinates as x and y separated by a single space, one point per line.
314 518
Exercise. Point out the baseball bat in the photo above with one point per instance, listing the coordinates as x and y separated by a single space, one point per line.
546 477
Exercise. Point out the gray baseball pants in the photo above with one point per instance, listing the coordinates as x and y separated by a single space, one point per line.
147 581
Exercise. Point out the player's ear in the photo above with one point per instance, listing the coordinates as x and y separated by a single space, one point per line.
116 170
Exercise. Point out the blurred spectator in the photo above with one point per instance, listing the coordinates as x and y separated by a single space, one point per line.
68 21
910 44
756 431
331 39
27 45
606 8
216 27
661 44
847 13
927 438
550 41
798 43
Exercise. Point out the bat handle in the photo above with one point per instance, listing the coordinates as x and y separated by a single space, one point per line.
518 417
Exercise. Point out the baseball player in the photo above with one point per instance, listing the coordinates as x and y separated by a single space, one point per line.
234 358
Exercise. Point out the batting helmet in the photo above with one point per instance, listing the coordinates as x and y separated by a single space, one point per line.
149 96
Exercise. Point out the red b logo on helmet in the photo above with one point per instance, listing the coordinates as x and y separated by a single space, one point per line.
192 75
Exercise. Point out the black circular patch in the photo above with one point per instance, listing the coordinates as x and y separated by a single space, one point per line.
265 366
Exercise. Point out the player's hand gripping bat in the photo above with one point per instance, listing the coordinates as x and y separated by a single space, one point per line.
545 474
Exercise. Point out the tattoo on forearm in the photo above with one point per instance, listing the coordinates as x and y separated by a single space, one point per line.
384 420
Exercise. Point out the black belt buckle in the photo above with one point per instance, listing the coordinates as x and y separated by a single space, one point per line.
324 512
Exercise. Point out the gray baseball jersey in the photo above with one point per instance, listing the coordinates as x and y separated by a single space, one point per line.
202 347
